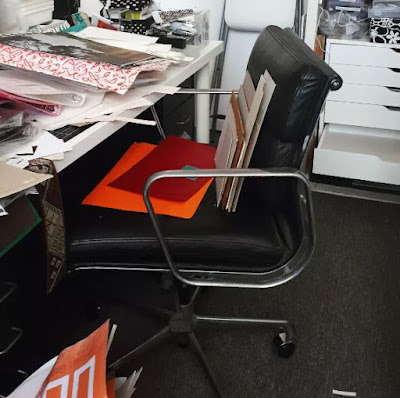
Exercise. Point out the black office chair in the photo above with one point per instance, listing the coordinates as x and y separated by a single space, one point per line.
267 242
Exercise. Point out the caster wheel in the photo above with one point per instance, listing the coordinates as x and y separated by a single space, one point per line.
285 347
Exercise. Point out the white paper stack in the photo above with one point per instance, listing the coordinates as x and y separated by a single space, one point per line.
132 41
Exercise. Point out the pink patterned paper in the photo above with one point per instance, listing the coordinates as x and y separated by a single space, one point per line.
105 76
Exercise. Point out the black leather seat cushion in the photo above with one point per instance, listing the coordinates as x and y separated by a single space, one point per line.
212 239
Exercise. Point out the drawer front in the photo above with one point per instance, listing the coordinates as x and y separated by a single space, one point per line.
361 157
363 94
355 166
375 116
364 55
370 75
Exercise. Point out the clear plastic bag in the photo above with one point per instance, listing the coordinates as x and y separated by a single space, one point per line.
385 10
15 139
10 118
343 25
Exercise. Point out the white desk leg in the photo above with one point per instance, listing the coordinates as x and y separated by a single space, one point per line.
203 80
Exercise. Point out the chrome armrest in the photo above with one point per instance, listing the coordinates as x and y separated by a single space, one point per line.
283 273
205 91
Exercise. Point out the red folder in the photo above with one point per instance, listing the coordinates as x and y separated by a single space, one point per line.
31 104
174 153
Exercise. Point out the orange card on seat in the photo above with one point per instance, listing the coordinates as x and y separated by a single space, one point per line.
174 153
105 195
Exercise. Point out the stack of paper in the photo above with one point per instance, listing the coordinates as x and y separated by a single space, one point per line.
76 59
132 41
61 79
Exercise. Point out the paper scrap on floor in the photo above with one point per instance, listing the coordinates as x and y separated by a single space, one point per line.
344 393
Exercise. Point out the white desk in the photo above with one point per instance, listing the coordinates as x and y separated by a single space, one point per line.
175 76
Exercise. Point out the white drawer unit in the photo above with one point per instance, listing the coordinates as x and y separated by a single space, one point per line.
359 135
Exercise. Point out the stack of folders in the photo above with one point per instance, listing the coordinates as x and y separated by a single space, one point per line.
80 369
239 135
122 188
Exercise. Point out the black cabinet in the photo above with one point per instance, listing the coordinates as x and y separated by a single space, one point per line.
176 112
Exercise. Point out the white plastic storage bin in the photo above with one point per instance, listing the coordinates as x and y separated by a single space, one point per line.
359 153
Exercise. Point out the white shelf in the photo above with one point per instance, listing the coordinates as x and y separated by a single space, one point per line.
359 153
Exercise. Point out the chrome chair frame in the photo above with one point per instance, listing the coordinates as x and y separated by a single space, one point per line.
183 322
278 276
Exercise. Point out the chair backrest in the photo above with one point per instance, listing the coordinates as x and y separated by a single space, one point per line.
302 84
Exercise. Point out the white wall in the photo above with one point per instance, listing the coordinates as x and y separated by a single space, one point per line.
245 27
89 6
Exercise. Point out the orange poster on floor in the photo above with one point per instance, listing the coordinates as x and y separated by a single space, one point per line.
80 370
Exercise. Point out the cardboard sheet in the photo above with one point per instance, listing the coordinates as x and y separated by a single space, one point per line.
269 89
238 155
13 179
227 145
249 114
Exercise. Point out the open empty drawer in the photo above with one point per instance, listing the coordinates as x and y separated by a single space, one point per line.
359 153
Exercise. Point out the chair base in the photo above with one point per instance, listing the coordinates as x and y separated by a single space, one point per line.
182 325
